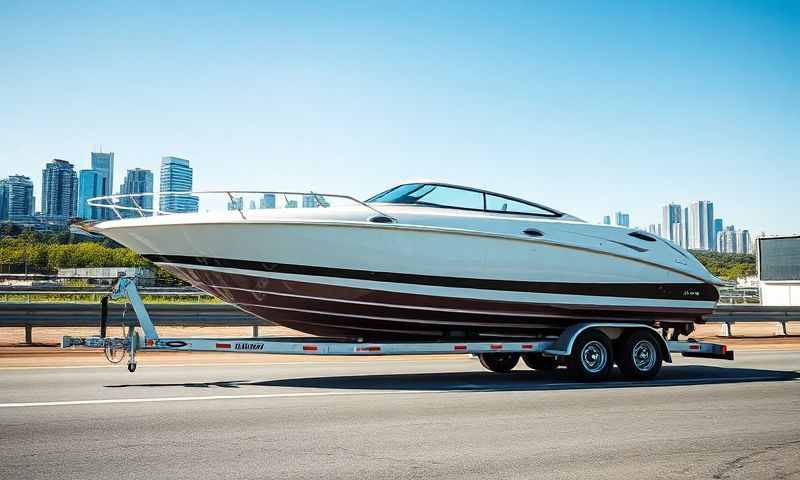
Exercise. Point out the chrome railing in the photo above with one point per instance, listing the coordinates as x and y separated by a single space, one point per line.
134 202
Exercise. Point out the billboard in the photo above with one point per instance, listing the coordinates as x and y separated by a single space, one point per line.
779 259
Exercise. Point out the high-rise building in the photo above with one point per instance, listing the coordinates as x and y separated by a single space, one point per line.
727 241
606 219
89 186
16 198
103 164
138 180
59 191
677 234
176 176
717 228
310 201
622 219
670 215
701 225
236 203
267 201
652 229
744 244
685 227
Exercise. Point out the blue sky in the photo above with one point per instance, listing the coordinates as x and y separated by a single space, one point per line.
589 107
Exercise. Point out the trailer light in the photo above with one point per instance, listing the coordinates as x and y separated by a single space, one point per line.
223 345
527 346
724 349
496 346
372 348
694 347
459 347
310 348
149 342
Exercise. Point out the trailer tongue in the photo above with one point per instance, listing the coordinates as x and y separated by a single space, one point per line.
588 349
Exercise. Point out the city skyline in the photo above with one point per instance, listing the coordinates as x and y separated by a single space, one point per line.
701 231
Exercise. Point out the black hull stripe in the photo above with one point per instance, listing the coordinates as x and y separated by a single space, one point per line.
660 291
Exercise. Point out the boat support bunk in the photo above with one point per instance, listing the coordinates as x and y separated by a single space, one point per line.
589 350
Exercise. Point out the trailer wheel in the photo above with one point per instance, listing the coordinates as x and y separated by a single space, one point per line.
499 362
640 355
537 361
591 358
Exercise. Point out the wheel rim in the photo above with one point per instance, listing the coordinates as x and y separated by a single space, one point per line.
594 356
644 355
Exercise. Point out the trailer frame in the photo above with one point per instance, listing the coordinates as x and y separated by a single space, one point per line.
145 338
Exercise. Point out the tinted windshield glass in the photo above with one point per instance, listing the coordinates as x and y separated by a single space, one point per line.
455 197
437 195
502 204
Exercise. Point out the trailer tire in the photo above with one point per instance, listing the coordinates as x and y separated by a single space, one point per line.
499 362
640 355
592 357
537 361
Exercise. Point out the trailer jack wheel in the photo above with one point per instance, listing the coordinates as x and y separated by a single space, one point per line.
131 367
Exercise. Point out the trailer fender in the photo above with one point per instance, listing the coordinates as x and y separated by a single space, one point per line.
563 346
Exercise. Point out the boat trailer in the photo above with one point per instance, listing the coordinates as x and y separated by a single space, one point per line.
495 352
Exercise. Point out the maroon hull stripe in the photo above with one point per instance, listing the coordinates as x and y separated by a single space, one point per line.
662 291
332 311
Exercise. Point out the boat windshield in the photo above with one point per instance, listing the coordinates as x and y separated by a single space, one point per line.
450 196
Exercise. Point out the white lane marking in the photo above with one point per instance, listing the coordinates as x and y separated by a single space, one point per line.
209 397
452 389
450 356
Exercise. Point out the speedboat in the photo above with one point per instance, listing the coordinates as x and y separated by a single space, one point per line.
425 260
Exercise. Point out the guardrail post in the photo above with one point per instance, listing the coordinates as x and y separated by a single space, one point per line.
28 334
255 330
780 329
103 316
725 329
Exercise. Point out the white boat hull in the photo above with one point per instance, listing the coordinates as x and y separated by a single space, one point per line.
358 279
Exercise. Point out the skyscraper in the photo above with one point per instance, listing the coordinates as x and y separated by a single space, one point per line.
310 201
701 225
236 203
727 242
606 219
89 186
267 201
670 215
59 191
176 176
685 227
744 244
138 180
16 198
103 164
622 219
717 230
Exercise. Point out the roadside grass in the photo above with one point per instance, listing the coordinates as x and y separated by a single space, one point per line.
7 297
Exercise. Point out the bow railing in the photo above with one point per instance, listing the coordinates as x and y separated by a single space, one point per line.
172 203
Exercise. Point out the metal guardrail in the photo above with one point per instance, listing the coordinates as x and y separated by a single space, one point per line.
30 315
729 315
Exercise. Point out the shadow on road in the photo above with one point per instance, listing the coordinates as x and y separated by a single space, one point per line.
516 380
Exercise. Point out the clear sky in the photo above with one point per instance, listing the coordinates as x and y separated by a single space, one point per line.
589 107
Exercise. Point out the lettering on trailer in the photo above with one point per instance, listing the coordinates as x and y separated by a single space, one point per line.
248 346
691 293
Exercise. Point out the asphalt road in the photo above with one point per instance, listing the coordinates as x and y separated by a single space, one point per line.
400 419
